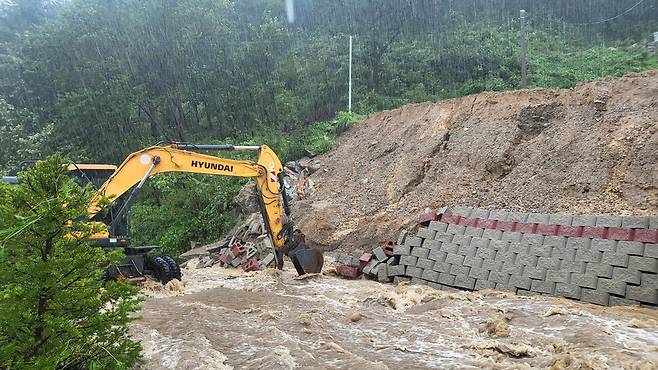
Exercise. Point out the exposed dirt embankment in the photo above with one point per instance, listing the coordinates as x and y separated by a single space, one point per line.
591 149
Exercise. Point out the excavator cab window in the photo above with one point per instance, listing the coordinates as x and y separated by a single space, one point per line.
95 175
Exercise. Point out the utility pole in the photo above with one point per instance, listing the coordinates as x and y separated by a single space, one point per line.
524 70
349 99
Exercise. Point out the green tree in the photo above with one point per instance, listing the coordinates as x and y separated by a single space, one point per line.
56 310
22 137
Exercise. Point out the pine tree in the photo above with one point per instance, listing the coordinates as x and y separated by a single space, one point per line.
56 309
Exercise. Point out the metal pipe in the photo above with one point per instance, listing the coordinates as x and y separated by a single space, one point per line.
10 179
246 147
349 99
127 203
524 62
205 147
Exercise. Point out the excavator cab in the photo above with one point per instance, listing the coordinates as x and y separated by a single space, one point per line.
137 264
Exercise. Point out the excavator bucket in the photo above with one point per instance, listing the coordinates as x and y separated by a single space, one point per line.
307 261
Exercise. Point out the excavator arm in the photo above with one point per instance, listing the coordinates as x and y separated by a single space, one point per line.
141 165
267 173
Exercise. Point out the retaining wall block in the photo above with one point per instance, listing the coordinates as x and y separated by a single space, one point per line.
601 259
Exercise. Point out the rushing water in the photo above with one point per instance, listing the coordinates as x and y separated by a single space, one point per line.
223 318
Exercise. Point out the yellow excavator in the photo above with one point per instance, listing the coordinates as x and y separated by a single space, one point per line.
125 181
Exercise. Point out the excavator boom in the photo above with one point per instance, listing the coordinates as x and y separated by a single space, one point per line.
266 172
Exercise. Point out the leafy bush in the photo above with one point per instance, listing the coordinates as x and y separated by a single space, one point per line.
178 208
566 67
56 310
21 137
320 137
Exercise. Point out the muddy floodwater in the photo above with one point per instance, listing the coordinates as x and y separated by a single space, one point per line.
224 318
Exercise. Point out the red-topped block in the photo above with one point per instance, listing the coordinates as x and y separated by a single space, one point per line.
617 233
388 248
363 260
425 217
251 265
486 224
450 219
549 230
564 230
238 249
525 228
646 236
505 225
593 232
468 222
347 271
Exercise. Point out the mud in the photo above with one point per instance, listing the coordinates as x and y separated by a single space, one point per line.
224 318
592 149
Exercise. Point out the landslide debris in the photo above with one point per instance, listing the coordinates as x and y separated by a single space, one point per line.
590 149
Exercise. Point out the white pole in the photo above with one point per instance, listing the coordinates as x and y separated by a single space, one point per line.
349 103
524 63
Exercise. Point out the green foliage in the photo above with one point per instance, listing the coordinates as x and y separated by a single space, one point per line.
321 137
21 137
209 70
564 68
178 208
56 311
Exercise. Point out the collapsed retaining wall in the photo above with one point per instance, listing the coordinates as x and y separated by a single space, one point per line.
607 260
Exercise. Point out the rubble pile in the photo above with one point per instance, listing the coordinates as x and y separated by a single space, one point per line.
370 265
248 246
297 183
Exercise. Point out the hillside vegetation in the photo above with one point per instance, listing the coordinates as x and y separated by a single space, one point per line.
98 79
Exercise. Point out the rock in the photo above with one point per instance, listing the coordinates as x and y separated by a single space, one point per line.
255 227
290 187
216 247
304 162
309 153
308 188
355 316
293 166
247 199
313 166
193 263
208 263
195 253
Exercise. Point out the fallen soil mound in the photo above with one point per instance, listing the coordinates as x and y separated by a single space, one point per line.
590 149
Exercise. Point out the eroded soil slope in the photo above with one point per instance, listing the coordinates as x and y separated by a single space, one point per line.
591 149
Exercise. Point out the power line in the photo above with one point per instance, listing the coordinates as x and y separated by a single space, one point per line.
609 19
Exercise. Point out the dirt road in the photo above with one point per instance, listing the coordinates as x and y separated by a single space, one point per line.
222 318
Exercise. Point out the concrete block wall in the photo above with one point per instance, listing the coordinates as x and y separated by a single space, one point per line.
601 259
